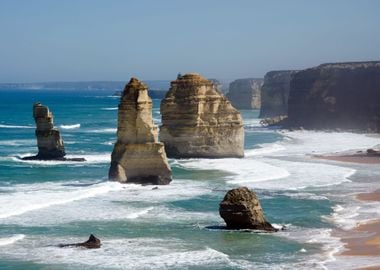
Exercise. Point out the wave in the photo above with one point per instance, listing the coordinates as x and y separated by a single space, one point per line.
90 159
109 109
40 196
15 126
104 130
70 126
11 240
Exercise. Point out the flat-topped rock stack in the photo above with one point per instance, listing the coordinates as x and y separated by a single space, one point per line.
199 122
137 155
245 93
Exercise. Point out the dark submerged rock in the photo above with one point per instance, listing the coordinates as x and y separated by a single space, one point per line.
92 242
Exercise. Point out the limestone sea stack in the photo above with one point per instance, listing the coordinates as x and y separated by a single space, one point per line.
245 93
336 96
137 155
241 209
275 93
49 141
199 122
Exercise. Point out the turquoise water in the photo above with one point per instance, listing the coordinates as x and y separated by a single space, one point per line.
45 203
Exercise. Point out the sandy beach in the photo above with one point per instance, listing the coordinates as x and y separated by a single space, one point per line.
353 158
364 240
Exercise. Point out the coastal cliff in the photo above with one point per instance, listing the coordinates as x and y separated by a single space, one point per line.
338 95
275 93
245 93
137 155
198 121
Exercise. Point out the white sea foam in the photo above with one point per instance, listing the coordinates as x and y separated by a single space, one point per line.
127 253
20 142
109 109
89 159
11 240
33 197
15 126
70 126
103 130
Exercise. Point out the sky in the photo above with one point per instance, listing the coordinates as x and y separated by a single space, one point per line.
82 40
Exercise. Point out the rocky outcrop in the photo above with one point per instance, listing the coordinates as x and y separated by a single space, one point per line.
336 96
198 121
275 93
137 155
49 141
91 243
241 209
245 93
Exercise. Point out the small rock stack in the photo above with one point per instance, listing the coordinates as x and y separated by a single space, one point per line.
49 141
241 209
137 155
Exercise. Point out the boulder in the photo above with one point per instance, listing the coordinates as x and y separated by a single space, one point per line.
275 93
241 209
198 121
91 243
49 141
245 93
341 96
137 155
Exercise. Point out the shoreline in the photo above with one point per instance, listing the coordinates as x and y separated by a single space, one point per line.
361 158
364 239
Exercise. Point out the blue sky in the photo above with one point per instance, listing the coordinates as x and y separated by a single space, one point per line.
74 40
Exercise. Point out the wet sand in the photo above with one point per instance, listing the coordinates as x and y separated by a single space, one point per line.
354 158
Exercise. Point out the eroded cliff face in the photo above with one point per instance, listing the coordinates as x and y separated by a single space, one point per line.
275 93
137 155
49 141
245 93
340 95
198 121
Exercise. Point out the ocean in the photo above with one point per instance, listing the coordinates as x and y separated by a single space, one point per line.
44 203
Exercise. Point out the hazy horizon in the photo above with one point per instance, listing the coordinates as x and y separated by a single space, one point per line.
68 41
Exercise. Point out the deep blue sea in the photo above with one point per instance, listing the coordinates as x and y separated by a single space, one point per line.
44 203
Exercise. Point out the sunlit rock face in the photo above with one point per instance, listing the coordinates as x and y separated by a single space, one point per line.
338 95
49 141
245 93
275 93
137 155
198 121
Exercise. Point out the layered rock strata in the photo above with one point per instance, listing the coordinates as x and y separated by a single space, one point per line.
245 93
275 93
241 209
49 141
336 96
199 122
137 155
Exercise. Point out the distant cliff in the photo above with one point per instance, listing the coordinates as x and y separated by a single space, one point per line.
245 93
339 95
275 93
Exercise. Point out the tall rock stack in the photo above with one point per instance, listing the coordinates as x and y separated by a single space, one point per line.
198 121
245 93
137 155
275 93
336 95
49 141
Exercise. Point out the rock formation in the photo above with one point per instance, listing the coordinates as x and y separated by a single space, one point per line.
137 155
49 141
91 243
275 93
245 93
241 209
198 121
339 95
